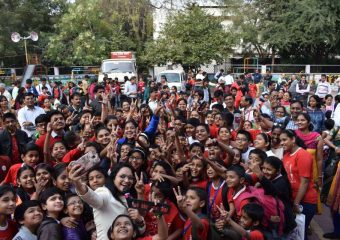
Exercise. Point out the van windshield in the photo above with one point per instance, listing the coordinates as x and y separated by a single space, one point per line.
170 77
116 66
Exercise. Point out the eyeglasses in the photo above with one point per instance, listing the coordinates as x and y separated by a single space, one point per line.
241 139
75 203
135 158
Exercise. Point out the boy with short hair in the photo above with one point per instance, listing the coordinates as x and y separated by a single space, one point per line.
250 222
29 216
52 203
193 204
30 157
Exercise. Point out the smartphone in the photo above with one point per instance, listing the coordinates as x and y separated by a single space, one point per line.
147 206
88 161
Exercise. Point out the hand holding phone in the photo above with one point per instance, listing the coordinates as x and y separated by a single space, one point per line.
87 161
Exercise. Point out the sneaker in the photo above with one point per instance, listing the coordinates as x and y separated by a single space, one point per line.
331 235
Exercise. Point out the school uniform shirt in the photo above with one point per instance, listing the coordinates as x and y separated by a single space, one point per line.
200 184
300 164
172 219
8 232
25 234
11 177
41 141
215 199
213 129
256 235
201 234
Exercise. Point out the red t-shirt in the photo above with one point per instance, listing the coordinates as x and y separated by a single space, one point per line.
200 184
41 141
215 199
256 235
11 177
9 232
300 164
141 87
252 90
202 233
213 131
15 151
172 219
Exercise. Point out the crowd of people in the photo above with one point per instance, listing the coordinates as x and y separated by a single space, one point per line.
241 160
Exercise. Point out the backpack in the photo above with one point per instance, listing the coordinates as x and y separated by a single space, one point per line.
273 209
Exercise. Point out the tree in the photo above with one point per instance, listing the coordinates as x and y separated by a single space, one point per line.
24 16
91 29
190 37
297 30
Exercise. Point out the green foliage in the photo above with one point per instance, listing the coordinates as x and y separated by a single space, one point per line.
191 37
91 29
295 29
24 16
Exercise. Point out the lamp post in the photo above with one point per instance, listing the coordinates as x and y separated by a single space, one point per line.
16 38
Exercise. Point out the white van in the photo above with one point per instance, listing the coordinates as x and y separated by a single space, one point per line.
174 78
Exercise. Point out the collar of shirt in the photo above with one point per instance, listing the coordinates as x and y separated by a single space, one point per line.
29 109
239 192
54 134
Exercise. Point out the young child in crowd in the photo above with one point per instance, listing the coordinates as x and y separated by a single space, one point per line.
193 205
28 216
7 206
52 203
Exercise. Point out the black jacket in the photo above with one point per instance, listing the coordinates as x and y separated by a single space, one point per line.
6 142
49 229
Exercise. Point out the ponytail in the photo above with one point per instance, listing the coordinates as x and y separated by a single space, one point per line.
291 134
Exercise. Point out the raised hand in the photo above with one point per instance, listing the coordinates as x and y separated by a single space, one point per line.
223 213
75 173
71 118
49 127
133 105
139 186
82 145
180 198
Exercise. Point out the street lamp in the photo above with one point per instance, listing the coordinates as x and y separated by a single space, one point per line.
16 38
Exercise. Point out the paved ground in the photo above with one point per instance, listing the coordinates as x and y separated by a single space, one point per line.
321 224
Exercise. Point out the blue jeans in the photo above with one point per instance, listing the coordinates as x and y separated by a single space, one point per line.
309 210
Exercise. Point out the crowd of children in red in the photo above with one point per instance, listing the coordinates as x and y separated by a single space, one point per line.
172 165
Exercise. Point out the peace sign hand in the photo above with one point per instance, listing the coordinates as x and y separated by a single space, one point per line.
82 145
139 186
223 213
71 118
133 105
180 199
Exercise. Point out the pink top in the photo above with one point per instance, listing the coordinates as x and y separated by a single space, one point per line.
310 139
